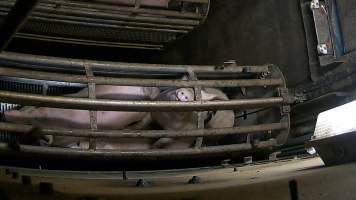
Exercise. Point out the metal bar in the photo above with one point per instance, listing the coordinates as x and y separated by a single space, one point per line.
14 20
154 3
144 106
133 67
90 42
124 26
25 129
93 114
199 115
138 155
99 80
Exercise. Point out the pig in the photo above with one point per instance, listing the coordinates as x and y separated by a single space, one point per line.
188 120
44 117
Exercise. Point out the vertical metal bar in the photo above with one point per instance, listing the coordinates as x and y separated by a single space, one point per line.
93 114
199 115
14 20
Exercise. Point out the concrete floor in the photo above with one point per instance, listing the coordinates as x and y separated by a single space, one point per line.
290 179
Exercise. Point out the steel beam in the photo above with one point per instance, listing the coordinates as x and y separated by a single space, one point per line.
139 155
27 129
136 105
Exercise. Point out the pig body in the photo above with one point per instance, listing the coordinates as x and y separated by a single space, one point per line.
188 120
44 117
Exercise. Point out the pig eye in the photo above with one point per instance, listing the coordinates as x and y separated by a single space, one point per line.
186 98
182 93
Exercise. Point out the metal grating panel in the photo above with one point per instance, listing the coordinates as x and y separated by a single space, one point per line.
110 25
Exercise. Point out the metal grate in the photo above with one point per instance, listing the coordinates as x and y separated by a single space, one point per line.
110 25
36 68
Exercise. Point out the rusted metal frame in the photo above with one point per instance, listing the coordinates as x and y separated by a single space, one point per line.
151 154
92 114
199 115
104 23
90 42
115 2
27 129
129 3
65 10
14 20
135 105
100 80
123 26
73 64
51 17
168 13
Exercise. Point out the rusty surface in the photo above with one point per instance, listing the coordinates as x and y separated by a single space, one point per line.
138 24
123 105
139 155
30 61
26 129
100 80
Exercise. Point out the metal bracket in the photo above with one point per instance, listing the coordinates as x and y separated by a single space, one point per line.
325 46
287 96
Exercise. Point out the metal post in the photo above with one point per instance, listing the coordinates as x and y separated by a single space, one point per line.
199 115
93 114
14 20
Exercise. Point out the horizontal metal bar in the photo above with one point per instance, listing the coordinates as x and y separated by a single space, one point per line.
21 128
99 80
90 42
155 3
73 64
139 155
145 106
113 26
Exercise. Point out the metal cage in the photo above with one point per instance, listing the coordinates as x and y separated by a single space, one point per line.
55 72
